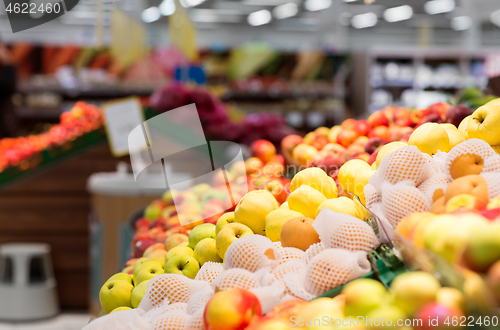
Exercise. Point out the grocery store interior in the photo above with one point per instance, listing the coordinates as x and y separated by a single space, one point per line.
167 163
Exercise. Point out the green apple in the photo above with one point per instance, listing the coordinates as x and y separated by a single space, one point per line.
386 317
119 309
148 271
224 219
484 123
184 244
228 235
139 267
175 240
206 230
483 248
178 250
137 294
411 291
169 195
206 251
183 264
121 277
363 296
115 294
138 264
128 270
152 212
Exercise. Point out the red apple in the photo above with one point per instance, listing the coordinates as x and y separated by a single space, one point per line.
334 149
404 122
431 118
433 317
233 309
353 149
465 201
405 137
279 159
174 240
378 119
362 127
374 144
254 166
379 131
273 169
309 138
288 144
330 164
361 140
418 114
373 158
397 132
263 149
348 124
277 189
361 155
456 114
131 262
492 214
319 142
440 109
401 112
140 236
142 225
346 137
141 246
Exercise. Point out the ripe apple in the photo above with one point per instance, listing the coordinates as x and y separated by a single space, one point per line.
362 127
303 153
154 247
152 212
484 123
342 205
206 230
128 270
390 314
319 142
387 149
178 250
114 294
379 131
305 200
334 132
277 189
378 118
174 240
206 250
309 137
275 221
157 254
232 309
137 294
229 234
491 214
120 277
431 118
254 166
263 149
270 323
348 124
374 144
142 225
141 246
430 138
273 169
183 264
483 248
253 209
464 201
372 159
346 137
120 309
320 307
224 220
361 155
139 263
411 291
363 296
147 271
288 144
353 149
451 297
441 313
456 114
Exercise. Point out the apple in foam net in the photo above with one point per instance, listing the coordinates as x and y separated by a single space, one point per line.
228 234
232 309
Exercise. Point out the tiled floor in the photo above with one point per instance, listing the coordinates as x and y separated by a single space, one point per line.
62 322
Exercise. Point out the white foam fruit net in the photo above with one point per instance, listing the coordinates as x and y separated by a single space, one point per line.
343 231
173 288
289 253
195 321
332 268
277 245
471 146
372 196
434 186
404 164
239 278
402 199
251 253
270 295
493 181
198 301
172 320
312 251
292 266
209 271
492 164
124 320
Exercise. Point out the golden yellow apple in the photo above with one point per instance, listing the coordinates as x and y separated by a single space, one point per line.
453 134
430 138
305 200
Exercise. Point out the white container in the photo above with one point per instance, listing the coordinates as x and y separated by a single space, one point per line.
28 289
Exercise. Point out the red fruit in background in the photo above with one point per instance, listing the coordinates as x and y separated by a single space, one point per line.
142 225
361 155
319 142
431 118
493 214
330 164
348 124
141 246
404 122
346 137
374 144
439 108
379 131
434 311
277 189
400 113
378 119
362 127
373 158
456 114
334 149
279 159
417 114
405 137
254 166
263 149
273 169
287 309
140 236
288 144
160 223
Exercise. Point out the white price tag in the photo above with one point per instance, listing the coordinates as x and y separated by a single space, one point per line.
121 117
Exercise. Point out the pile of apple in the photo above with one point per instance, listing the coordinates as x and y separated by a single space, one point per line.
413 299
362 139
81 119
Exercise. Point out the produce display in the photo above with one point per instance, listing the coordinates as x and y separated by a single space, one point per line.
277 258
81 119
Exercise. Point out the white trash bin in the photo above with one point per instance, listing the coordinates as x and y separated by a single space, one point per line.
28 289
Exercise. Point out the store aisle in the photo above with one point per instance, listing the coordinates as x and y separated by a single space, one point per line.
61 322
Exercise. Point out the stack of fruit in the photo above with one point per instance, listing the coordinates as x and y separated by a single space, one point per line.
81 119
362 139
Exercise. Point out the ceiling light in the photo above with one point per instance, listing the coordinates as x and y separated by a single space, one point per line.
167 7
397 14
349 0
151 14
284 11
461 23
362 21
439 6
190 3
495 18
265 2
260 17
315 5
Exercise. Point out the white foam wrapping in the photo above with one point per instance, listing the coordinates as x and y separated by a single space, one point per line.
493 181
470 146
124 320
198 301
269 296
249 252
173 320
312 251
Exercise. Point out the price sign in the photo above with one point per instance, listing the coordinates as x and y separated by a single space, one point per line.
121 117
